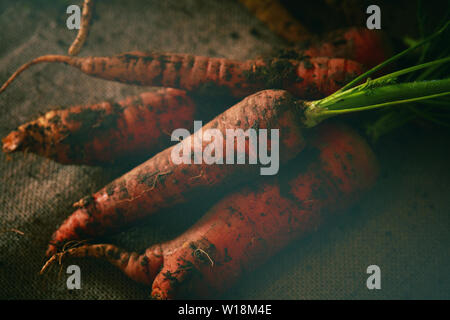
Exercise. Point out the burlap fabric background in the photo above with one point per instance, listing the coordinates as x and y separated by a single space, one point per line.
401 226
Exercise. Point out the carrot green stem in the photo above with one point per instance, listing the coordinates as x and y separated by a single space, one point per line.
374 95
412 69
387 79
380 105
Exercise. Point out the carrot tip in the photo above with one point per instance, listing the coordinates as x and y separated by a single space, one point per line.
48 263
47 58
13 141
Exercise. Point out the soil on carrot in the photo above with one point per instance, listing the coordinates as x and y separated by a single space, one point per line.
275 73
93 122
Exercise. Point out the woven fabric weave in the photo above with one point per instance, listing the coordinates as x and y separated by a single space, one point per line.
402 225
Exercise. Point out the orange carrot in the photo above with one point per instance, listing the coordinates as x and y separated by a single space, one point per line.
309 78
160 183
247 227
106 132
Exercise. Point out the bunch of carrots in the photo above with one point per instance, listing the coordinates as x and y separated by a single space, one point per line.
325 168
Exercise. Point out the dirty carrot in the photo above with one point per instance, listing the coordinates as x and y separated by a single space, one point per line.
311 77
108 131
247 227
86 18
368 47
160 183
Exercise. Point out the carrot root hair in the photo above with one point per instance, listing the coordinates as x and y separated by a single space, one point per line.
141 268
86 18
67 249
41 59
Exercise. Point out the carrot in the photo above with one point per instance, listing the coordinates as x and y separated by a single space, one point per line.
368 47
278 19
159 183
86 17
365 46
92 139
247 227
311 77
105 132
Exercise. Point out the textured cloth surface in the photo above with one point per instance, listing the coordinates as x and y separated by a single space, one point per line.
401 225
